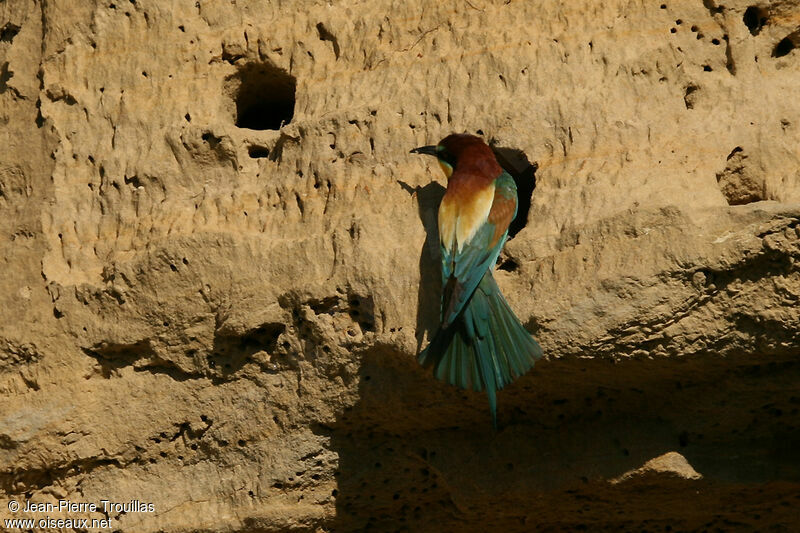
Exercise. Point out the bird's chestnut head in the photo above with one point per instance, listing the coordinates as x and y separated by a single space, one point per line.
454 148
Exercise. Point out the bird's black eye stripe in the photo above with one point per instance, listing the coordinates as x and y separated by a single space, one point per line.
444 155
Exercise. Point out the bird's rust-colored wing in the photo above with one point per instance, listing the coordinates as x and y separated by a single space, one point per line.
504 209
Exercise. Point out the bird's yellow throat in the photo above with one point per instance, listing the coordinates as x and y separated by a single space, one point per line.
446 168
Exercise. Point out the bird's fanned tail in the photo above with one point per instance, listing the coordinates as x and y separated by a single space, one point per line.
485 348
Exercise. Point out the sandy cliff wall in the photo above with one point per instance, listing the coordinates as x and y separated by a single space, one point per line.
218 262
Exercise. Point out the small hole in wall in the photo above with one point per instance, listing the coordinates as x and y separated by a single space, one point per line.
785 46
258 152
689 97
264 96
755 18
509 265
8 32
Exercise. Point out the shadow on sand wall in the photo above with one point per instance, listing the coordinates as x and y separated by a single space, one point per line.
418 455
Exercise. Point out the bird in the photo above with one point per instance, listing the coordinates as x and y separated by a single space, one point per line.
480 343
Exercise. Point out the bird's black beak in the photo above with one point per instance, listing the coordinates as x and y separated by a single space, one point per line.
430 150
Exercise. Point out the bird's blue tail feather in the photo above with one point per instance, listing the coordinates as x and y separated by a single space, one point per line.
485 348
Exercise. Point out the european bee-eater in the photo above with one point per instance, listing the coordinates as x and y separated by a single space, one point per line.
480 342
